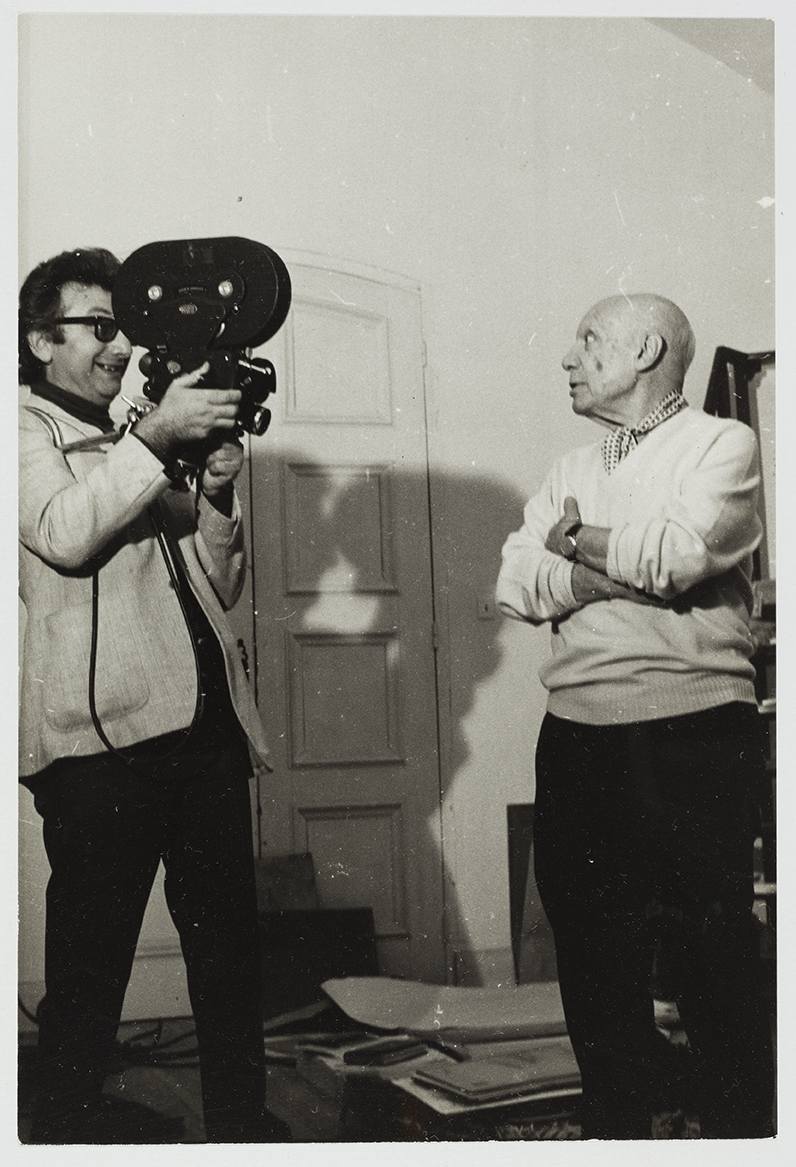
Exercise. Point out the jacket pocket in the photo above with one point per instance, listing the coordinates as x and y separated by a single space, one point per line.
120 684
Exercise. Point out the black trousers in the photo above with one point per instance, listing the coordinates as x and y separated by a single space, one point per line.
106 828
642 825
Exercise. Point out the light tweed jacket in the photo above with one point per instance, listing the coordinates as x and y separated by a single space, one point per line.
92 508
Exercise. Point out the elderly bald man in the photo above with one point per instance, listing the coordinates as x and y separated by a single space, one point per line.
636 551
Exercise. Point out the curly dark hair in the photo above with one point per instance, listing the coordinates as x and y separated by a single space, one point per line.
40 297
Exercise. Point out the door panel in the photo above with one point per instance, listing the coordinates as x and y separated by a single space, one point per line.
342 595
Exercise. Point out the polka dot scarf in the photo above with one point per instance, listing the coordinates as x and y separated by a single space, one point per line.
624 438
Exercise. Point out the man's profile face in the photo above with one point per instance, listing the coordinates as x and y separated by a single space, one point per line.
84 365
601 365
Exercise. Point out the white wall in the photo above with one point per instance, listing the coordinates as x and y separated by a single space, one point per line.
518 169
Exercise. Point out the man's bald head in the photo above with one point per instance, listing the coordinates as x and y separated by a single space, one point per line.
644 313
629 353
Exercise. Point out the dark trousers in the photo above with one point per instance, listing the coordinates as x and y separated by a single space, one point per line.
637 826
106 828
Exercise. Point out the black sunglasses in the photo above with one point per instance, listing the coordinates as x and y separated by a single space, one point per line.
105 327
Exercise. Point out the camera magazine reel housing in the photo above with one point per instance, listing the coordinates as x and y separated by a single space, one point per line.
194 300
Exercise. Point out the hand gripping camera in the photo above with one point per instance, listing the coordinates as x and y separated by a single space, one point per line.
194 300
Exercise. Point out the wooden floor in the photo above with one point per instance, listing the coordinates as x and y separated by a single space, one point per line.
154 1097
171 1093
160 1102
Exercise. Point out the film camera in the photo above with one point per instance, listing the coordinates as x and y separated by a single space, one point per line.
191 301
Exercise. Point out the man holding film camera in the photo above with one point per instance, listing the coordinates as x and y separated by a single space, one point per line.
137 724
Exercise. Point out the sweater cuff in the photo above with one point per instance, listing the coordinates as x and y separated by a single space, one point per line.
158 453
560 584
174 471
215 522
612 558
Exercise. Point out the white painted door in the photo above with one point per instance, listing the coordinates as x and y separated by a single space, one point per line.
342 646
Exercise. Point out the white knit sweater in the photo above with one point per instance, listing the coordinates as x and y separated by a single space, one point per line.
682 514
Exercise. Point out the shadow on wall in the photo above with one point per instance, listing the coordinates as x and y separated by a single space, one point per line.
348 542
